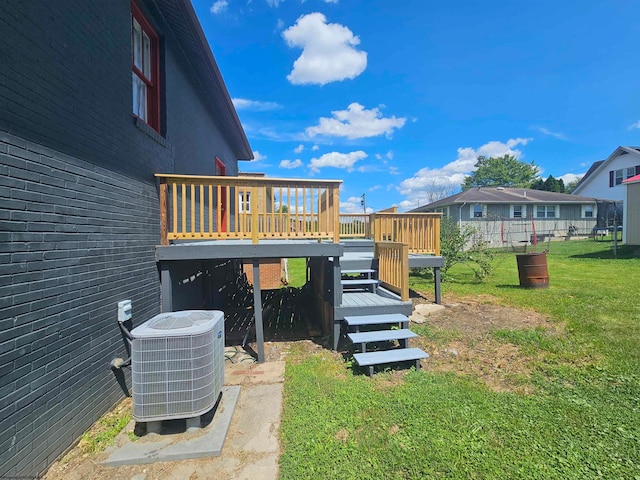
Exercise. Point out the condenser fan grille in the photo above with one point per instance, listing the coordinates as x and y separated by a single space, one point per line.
177 376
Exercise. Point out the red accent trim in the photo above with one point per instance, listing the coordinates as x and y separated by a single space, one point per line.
153 83
221 170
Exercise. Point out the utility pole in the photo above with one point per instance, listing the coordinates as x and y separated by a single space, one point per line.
363 202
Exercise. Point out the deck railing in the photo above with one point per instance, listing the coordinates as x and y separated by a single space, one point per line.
354 225
216 208
420 231
393 267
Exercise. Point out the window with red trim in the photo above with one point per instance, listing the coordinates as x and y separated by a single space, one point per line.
145 61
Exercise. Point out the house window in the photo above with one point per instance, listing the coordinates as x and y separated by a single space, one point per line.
616 177
588 211
518 211
244 201
478 211
630 172
145 61
547 211
443 210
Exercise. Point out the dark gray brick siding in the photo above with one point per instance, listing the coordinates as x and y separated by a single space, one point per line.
59 301
79 210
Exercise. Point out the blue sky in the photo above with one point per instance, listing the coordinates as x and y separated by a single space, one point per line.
398 98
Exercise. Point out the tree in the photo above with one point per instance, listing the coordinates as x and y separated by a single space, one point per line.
505 171
571 186
463 246
551 184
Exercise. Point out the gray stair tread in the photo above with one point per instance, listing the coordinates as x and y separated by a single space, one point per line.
381 335
389 356
375 319
361 281
359 270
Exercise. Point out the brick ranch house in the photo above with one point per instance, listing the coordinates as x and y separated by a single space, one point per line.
84 126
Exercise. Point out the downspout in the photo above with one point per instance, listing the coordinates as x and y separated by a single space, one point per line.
460 216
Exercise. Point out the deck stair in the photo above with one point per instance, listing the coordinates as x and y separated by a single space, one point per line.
375 319
372 334
359 279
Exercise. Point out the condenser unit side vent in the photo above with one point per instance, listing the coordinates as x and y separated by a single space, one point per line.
177 365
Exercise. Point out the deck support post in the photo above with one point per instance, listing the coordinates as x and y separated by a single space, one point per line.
257 309
337 300
166 290
436 280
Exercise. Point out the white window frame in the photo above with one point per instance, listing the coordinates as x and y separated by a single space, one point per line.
443 210
556 213
472 210
244 202
523 212
593 211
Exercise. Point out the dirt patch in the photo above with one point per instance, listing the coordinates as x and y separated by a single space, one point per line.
460 340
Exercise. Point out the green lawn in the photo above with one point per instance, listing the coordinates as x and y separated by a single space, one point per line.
582 421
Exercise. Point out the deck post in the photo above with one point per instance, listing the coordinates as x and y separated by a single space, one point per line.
335 211
253 201
166 293
257 309
164 212
337 300
436 280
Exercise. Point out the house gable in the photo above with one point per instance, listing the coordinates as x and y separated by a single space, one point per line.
604 178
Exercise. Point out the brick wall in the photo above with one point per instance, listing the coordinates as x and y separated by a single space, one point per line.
270 273
74 240
79 209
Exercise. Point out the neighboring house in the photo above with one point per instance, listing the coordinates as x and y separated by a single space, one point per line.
631 228
95 98
505 216
605 177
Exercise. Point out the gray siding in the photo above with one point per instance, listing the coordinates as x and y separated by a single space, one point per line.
79 210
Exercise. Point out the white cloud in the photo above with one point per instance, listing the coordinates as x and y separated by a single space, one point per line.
394 171
337 160
328 51
274 3
257 156
291 163
356 122
375 187
257 105
218 6
570 177
315 148
428 183
299 148
330 1
634 125
546 131
389 155
279 25
353 205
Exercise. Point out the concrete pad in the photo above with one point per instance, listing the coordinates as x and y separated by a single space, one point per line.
260 373
206 442
263 402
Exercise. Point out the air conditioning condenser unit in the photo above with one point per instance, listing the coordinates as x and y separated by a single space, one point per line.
177 363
